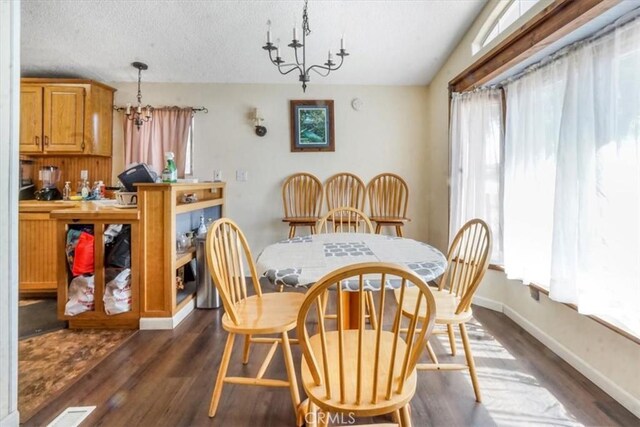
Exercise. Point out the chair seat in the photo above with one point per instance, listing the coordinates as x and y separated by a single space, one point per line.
446 306
389 220
300 220
317 393
272 313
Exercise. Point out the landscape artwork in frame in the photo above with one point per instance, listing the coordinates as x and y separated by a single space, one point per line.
312 127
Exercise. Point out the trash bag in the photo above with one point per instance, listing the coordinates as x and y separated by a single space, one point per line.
81 297
83 255
117 293
118 253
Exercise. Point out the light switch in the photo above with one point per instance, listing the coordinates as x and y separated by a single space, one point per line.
242 175
217 175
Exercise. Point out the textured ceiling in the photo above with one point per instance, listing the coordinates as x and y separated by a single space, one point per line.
391 42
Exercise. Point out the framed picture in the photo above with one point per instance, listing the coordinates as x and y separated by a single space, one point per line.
312 127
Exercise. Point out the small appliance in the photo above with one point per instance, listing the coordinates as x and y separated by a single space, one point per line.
27 188
49 177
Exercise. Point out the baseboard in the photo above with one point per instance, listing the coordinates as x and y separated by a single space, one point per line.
488 303
11 420
160 323
608 386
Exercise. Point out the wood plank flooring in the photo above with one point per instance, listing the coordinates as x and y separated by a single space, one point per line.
165 378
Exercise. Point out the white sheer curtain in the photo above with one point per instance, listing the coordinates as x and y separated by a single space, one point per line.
572 177
476 147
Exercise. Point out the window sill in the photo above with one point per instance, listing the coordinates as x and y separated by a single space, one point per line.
603 322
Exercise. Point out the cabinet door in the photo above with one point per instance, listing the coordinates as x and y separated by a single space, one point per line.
30 119
38 253
63 119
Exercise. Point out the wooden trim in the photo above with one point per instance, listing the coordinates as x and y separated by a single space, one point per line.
551 24
601 321
58 82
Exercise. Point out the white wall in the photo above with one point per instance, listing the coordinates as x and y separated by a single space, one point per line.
608 359
9 133
388 134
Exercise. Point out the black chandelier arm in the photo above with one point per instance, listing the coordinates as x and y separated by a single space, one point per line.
293 68
327 69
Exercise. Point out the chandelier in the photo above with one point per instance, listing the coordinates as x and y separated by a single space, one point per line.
139 114
299 65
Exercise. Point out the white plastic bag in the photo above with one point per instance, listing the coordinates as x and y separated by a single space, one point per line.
80 299
117 293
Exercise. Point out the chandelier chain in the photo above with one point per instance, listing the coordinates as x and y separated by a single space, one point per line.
305 19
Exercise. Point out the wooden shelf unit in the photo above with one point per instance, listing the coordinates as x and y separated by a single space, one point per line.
98 318
159 205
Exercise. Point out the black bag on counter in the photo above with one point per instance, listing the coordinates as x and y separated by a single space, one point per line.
118 252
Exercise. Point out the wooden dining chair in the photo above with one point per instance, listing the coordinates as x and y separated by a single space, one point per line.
348 220
249 316
363 372
467 262
345 220
302 199
388 200
344 189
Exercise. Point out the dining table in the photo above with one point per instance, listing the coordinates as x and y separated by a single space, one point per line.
299 262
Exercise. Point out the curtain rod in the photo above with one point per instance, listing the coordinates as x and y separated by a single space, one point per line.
628 18
194 109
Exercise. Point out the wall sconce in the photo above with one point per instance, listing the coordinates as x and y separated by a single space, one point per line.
258 119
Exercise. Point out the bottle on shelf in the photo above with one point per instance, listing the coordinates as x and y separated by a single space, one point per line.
170 172
202 228
66 191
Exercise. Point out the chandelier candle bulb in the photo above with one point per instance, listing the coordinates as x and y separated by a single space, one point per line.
128 109
342 43
295 33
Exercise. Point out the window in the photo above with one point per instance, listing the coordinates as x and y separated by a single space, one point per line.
188 166
505 14
570 204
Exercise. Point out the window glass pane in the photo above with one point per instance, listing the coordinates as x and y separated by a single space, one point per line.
509 16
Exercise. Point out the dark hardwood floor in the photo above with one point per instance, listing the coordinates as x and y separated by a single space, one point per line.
165 378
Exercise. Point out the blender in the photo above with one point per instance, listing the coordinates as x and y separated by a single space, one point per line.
48 177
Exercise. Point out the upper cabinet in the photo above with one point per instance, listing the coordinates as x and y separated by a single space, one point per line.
66 116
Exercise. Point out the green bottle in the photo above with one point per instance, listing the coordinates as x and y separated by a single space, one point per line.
170 172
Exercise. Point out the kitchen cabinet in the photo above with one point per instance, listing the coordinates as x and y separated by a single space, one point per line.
38 249
66 116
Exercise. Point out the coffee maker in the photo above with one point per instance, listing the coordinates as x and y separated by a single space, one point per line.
49 177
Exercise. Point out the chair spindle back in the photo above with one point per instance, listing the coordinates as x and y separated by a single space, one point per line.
345 220
344 189
388 196
302 195
348 376
227 249
467 262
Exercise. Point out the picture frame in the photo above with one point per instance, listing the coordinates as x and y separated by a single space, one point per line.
312 125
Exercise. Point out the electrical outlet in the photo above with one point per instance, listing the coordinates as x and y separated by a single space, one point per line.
217 175
242 175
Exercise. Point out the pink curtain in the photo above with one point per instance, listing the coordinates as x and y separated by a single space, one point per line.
168 130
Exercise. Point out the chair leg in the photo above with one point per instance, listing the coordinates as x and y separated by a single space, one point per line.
280 288
371 308
432 354
399 231
312 415
470 362
247 347
452 339
222 373
292 231
322 418
313 229
378 228
291 370
405 416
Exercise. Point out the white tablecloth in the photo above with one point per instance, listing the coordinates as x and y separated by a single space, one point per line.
301 261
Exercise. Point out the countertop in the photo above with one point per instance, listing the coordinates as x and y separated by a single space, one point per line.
103 209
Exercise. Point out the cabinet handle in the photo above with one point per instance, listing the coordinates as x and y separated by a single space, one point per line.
46 140
82 146
37 138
